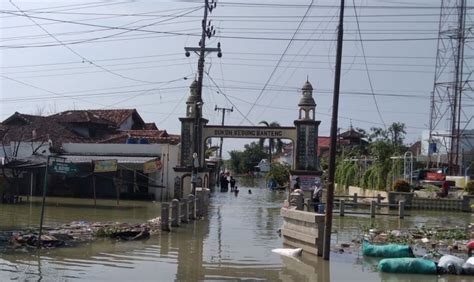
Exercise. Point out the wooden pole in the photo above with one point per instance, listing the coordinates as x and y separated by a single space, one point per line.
93 188
45 187
401 209
341 207
373 204
332 149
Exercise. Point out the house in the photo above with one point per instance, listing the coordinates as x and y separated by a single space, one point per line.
85 137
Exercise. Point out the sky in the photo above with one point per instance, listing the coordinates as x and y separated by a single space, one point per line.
93 54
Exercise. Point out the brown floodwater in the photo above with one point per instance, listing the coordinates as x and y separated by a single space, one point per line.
233 243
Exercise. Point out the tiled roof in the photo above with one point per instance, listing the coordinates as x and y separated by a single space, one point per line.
150 126
80 117
351 133
57 128
324 141
118 116
23 118
40 129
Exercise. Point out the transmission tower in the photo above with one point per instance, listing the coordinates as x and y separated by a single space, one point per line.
448 119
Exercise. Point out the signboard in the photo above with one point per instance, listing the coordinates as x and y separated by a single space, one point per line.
63 168
152 166
105 166
306 181
250 132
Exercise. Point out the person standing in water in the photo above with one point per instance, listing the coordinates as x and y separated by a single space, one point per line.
317 194
232 184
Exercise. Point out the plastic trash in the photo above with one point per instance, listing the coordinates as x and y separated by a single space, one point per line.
386 251
468 267
451 264
407 265
288 252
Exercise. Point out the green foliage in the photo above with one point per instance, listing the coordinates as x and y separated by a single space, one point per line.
243 162
280 173
470 187
346 173
396 171
375 177
401 186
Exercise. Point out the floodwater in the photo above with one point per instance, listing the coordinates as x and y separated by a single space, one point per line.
233 243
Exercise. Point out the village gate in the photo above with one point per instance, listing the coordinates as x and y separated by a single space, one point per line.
195 131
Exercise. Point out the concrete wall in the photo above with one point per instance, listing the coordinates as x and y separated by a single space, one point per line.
303 229
367 192
437 204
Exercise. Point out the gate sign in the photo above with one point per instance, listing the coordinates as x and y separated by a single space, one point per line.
306 181
105 166
152 166
64 168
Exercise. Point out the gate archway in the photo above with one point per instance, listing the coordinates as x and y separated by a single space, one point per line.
195 132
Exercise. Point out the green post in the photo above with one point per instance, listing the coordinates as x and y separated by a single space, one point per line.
45 187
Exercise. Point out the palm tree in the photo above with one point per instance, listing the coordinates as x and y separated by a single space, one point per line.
271 141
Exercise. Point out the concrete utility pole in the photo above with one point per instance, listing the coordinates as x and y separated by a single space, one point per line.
207 32
332 149
223 119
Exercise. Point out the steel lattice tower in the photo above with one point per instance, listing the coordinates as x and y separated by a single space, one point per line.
448 120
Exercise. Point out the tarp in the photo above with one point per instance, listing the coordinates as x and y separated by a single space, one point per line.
386 251
407 265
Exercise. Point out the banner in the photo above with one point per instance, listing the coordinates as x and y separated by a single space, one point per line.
105 166
306 182
152 166
64 168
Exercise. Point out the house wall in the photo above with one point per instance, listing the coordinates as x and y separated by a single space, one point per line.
168 154
127 124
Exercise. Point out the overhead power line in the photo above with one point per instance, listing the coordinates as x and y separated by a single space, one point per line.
367 67
75 52
280 59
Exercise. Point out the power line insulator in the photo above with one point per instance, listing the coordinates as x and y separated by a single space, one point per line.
187 54
219 54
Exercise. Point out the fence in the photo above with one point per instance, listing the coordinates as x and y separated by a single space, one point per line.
185 210
297 200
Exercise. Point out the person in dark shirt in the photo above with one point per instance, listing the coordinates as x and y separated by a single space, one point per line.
232 184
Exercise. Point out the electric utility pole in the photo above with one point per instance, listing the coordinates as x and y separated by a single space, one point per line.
207 32
223 119
332 148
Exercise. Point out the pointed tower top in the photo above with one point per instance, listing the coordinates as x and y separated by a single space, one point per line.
193 95
307 97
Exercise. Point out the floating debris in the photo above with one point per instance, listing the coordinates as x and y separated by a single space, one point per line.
77 232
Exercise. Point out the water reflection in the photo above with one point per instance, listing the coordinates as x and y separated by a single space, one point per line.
234 242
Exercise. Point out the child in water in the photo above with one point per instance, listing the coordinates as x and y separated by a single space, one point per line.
236 190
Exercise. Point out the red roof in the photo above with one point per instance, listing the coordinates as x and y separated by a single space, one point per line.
324 141
118 116
80 117
150 126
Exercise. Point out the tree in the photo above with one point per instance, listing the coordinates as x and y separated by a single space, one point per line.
397 133
280 173
271 141
11 150
245 161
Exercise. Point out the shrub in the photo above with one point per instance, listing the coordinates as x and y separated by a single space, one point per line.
470 187
401 186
